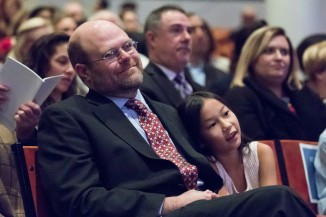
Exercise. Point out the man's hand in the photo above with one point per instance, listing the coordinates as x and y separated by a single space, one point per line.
27 118
173 203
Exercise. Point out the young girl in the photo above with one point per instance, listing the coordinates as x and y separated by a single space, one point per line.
243 165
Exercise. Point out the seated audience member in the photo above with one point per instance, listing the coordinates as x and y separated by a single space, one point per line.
201 69
320 166
75 10
248 15
239 37
6 42
107 15
26 119
91 137
8 11
10 197
130 20
29 31
267 95
307 42
48 56
45 11
314 63
65 24
243 165
134 29
168 38
101 4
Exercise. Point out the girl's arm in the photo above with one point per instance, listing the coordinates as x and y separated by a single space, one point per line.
267 170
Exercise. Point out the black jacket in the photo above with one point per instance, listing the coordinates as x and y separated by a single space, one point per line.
262 115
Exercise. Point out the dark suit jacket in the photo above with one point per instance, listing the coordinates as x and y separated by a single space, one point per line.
217 81
264 116
93 162
158 87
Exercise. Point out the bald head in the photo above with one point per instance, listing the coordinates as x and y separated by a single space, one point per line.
117 76
90 38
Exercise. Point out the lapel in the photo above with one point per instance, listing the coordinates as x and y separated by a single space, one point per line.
114 119
164 84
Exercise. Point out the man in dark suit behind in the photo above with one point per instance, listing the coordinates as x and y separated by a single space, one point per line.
200 66
95 159
166 78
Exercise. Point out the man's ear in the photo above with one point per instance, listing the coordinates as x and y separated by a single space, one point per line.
150 38
83 72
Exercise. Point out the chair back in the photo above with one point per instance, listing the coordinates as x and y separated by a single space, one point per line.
34 198
271 143
291 167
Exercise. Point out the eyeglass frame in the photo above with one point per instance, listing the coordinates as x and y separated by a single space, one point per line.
116 52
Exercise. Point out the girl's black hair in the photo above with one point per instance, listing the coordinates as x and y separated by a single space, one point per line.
190 111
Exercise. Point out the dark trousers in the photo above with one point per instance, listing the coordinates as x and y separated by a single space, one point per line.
272 201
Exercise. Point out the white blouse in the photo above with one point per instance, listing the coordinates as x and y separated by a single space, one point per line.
251 169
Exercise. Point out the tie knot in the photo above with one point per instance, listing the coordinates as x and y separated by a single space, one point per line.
178 78
137 106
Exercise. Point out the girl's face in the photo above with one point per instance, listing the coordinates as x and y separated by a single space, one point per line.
220 129
60 64
272 66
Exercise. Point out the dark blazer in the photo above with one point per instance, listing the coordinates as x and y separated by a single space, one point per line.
157 86
93 162
217 81
264 116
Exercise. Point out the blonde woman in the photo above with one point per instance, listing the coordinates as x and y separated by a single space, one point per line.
28 32
314 62
266 91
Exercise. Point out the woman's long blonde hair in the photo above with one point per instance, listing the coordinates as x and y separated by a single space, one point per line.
254 47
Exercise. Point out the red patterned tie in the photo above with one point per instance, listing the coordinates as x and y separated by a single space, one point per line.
161 142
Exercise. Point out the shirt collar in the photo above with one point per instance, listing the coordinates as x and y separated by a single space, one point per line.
169 73
120 102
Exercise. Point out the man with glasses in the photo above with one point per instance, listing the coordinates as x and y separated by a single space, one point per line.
166 78
109 153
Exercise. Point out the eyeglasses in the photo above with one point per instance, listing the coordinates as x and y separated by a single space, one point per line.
113 54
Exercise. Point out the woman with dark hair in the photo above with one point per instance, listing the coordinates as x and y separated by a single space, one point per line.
243 165
48 56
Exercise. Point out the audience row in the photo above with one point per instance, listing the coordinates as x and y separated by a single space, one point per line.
270 99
